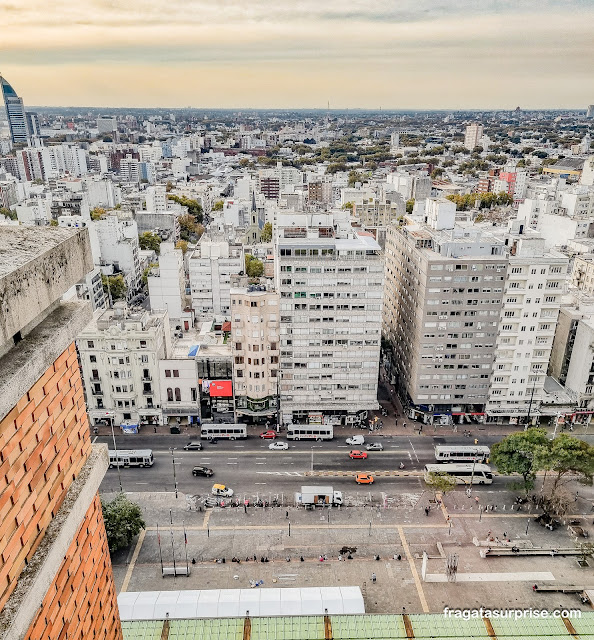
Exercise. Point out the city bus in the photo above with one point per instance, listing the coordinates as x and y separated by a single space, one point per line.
461 453
227 431
463 473
131 458
310 432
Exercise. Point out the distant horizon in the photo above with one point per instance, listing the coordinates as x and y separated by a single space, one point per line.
374 53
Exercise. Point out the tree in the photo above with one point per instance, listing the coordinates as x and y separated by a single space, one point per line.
149 240
53 223
147 271
253 267
266 234
168 186
441 482
354 177
218 205
348 205
183 245
521 453
114 285
438 171
97 213
123 521
194 207
9 213
409 205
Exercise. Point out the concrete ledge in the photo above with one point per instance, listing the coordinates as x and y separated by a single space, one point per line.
34 582
26 362
37 266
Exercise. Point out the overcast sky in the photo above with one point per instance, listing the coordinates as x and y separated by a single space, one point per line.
300 53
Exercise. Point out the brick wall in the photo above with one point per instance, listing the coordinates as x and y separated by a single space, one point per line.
81 604
44 442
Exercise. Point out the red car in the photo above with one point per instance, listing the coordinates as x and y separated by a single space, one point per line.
268 435
356 454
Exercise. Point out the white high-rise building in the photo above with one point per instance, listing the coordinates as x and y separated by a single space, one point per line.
130 169
474 132
156 199
532 297
210 268
166 283
330 279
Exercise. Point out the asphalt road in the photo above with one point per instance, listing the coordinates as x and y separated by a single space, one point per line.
249 467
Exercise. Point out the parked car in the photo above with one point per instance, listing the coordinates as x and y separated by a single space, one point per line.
279 446
355 440
202 471
193 446
221 490
268 435
364 478
355 454
375 446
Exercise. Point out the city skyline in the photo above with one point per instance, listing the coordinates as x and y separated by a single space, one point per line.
368 55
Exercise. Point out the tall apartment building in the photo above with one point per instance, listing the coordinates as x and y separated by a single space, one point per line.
119 355
107 124
255 342
534 284
473 134
167 283
272 181
330 280
411 185
443 298
211 266
56 578
117 246
130 169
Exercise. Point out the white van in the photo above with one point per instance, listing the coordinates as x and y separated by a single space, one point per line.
356 440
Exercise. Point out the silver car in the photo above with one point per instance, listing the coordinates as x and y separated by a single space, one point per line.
375 446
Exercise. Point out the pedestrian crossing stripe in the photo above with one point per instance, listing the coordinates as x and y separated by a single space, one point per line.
378 474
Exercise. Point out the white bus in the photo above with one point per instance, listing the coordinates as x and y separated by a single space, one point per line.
463 473
461 453
131 458
227 431
310 432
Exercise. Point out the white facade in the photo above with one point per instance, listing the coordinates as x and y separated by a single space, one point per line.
35 211
210 267
331 286
156 199
532 297
440 213
166 283
119 353
118 246
178 382
130 169
473 134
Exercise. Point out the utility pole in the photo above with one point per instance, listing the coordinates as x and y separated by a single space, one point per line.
115 447
530 404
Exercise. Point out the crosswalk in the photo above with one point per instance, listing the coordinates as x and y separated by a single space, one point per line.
280 473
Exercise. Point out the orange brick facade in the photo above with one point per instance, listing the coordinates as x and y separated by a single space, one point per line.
82 602
44 443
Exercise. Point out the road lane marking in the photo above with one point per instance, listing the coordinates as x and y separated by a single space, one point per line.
133 561
413 569
413 448
232 463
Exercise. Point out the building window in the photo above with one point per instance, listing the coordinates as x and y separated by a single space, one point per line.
169 394
143 344
92 358
176 373
90 344
194 394
238 346
177 394
168 373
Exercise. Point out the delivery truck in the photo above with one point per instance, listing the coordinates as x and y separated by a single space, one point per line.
322 496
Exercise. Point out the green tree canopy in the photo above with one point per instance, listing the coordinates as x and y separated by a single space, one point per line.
568 456
348 205
194 207
114 285
218 205
441 482
409 205
183 245
9 213
253 267
123 520
147 271
97 213
149 240
521 453
266 234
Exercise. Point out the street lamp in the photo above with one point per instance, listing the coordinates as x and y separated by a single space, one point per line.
172 449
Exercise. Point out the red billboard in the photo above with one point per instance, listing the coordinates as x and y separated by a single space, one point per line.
221 389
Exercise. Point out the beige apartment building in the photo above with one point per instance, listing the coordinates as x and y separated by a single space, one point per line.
443 299
256 349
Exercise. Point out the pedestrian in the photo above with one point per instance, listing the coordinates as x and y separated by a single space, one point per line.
373 578
399 557
476 441
426 511
245 508
193 560
287 515
534 587
302 559
404 425
420 429
155 428
255 559
339 557
476 499
504 535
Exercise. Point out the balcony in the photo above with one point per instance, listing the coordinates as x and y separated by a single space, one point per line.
97 392
148 392
147 378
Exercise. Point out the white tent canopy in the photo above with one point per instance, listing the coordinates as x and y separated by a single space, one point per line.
234 603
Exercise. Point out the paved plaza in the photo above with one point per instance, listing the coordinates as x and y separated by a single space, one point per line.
396 531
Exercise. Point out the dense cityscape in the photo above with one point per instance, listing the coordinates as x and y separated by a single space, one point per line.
355 345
